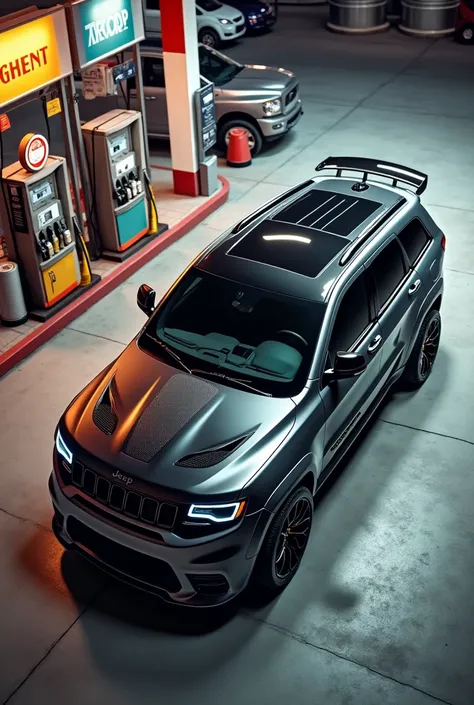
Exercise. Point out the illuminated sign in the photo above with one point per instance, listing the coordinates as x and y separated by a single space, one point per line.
32 55
105 27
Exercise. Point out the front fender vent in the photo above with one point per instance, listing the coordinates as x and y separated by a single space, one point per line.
212 456
104 415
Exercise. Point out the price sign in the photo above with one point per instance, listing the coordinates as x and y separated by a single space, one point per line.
207 117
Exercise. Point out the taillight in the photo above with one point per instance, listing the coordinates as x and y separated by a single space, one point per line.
443 242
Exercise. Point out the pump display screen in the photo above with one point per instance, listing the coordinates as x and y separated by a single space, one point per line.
41 191
48 214
118 144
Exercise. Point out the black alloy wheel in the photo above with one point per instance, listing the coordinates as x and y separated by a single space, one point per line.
423 356
293 538
285 543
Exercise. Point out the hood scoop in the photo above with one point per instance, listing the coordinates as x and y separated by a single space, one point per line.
104 415
211 456
179 400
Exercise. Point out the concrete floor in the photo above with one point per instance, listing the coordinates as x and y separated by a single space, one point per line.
382 609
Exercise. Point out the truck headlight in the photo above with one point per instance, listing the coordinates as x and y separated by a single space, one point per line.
62 448
272 107
218 513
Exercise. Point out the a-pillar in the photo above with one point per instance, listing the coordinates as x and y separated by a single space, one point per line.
181 63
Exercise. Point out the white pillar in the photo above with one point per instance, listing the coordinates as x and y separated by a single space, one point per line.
181 63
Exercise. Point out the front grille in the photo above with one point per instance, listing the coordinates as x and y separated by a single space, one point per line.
291 96
147 569
127 502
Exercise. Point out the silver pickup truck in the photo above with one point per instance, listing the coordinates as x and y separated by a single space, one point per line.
263 100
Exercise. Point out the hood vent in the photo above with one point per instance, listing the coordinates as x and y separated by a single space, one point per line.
212 456
179 400
104 415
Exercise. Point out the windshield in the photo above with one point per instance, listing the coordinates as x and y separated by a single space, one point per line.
263 339
209 5
216 67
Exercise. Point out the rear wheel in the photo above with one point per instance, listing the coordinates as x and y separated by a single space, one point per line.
208 37
253 135
285 543
423 356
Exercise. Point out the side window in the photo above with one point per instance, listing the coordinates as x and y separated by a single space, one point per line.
414 239
352 318
389 270
153 72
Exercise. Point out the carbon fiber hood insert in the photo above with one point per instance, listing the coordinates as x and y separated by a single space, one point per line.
181 398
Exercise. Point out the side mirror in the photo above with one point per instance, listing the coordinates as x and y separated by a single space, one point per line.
146 299
346 365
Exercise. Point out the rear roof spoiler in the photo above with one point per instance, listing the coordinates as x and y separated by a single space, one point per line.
396 172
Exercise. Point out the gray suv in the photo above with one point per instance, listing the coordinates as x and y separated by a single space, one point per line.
264 101
189 465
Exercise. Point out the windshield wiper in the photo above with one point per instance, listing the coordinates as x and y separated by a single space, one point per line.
170 352
231 379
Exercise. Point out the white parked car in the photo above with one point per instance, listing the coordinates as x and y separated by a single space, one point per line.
216 23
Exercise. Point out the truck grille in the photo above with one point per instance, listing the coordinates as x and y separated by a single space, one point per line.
291 96
127 502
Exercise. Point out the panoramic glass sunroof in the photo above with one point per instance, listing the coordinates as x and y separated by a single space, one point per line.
291 247
332 212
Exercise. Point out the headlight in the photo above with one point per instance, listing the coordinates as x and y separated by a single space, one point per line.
224 21
272 107
62 448
218 513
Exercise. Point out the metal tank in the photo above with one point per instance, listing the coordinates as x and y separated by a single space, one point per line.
429 18
358 16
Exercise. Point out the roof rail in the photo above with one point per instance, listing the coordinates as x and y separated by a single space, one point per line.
268 206
366 234
396 172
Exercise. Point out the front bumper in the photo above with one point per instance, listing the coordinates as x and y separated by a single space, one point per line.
261 22
278 125
200 574
232 32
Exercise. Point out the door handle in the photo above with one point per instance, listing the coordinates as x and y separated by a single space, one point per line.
150 97
414 287
375 344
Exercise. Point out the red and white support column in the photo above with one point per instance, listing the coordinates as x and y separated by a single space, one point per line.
181 62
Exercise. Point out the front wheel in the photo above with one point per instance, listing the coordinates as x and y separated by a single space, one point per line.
253 135
423 356
208 37
285 543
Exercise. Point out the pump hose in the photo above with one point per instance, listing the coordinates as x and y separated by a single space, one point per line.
153 213
85 263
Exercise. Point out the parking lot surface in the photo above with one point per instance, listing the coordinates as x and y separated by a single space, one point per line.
382 608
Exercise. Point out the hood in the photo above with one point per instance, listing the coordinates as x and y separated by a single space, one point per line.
253 8
142 417
226 12
264 79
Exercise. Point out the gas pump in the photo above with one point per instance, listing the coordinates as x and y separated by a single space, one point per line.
116 155
41 240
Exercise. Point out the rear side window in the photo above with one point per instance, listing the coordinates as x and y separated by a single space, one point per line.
389 270
414 239
352 318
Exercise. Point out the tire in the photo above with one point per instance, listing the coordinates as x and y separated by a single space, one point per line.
420 364
209 37
255 137
270 574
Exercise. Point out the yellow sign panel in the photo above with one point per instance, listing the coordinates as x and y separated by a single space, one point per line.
29 58
53 107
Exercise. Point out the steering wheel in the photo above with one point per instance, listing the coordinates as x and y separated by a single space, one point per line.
292 332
